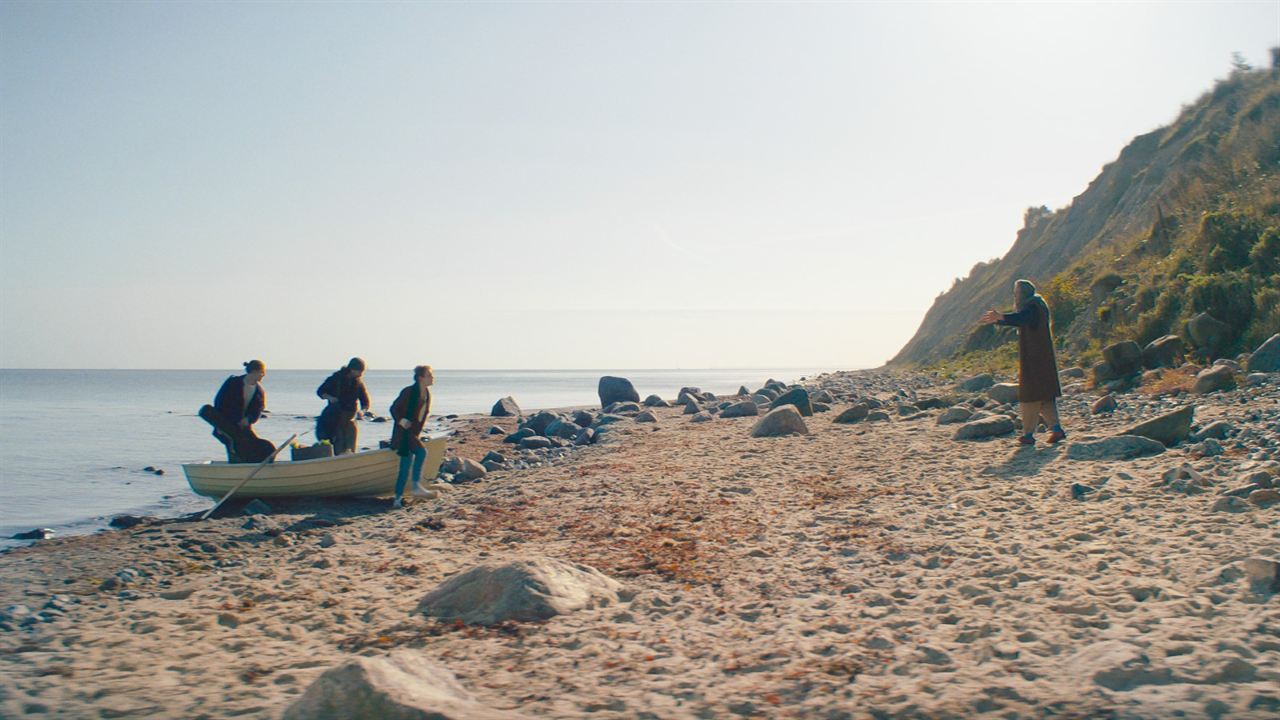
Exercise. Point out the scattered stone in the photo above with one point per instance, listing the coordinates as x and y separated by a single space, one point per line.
495 430
702 417
586 437
692 408
1105 404
1078 491
854 414
1117 666
505 407
616 389
540 421
648 417
328 540
1162 352
582 418
877 416
524 590
977 383
37 534
404 685
1184 479
257 507
1169 429
1218 430
1265 497
655 401
746 408
1072 372
563 429
126 521
1256 379
1004 393
782 420
984 428
1230 504
798 397
1121 447
519 435
494 456
1207 333
535 442
1263 574
1210 448
623 408
1218 377
953 415
1123 359
1266 359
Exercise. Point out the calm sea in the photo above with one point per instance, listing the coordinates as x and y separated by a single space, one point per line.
73 443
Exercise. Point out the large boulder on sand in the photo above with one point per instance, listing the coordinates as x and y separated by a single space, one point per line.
404 685
1169 429
1121 447
857 413
1123 359
540 421
1162 352
746 408
977 383
795 396
1207 333
524 590
784 420
1004 393
1218 377
984 428
656 401
506 407
1266 359
616 389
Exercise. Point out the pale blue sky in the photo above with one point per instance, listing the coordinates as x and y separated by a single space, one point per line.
549 185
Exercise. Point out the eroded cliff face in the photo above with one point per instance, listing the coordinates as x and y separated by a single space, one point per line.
1108 259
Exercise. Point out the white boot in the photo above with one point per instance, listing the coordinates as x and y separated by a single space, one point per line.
398 503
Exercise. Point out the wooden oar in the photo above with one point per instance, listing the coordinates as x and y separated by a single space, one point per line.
240 484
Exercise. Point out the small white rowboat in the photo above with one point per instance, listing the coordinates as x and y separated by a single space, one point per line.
361 474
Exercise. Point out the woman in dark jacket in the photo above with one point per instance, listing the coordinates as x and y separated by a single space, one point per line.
409 412
239 404
344 390
1038 387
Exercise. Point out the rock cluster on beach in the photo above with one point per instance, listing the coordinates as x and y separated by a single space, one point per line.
871 565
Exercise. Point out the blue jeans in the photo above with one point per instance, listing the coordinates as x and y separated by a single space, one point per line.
419 456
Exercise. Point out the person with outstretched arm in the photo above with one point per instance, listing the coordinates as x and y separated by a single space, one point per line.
1038 386
409 413
345 393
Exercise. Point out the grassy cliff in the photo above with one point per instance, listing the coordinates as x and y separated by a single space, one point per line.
1185 220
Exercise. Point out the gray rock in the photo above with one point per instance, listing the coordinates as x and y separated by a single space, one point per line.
535 442
1169 429
623 408
616 389
1105 404
1230 504
1266 359
1210 448
495 430
1217 430
798 397
692 408
1123 358
1117 666
494 456
1072 372
1256 379
471 470
933 403
908 410
505 407
1185 479
1121 447
1207 333
563 429
518 435
1162 352
648 417
1263 575
746 408
954 415
257 507
702 417
586 437
977 383
1264 497
877 416
403 685
606 419
655 401
984 428
1004 393
821 407
582 418
525 590
782 420
759 399
742 390
539 421
1218 377
857 413
822 396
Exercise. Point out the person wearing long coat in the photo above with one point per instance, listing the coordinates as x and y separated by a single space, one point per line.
1038 386
239 404
409 413
345 392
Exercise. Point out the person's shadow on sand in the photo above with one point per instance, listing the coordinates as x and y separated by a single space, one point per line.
1024 461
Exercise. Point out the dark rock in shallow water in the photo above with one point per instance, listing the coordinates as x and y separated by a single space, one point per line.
126 521
799 397
37 534
505 407
616 389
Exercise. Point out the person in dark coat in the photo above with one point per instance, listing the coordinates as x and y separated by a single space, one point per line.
345 392
239 404
1038 386
409 412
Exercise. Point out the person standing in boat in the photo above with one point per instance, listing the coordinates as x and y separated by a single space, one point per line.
345 392
409 413
239 404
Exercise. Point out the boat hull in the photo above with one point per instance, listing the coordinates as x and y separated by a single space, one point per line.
363 474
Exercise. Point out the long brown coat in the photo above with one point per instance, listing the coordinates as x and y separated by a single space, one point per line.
1037 364
409 404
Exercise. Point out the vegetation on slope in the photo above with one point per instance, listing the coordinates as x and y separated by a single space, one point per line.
1186 220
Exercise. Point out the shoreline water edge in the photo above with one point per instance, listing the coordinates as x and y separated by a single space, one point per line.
859 544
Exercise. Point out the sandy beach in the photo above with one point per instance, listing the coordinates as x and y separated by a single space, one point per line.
875 569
